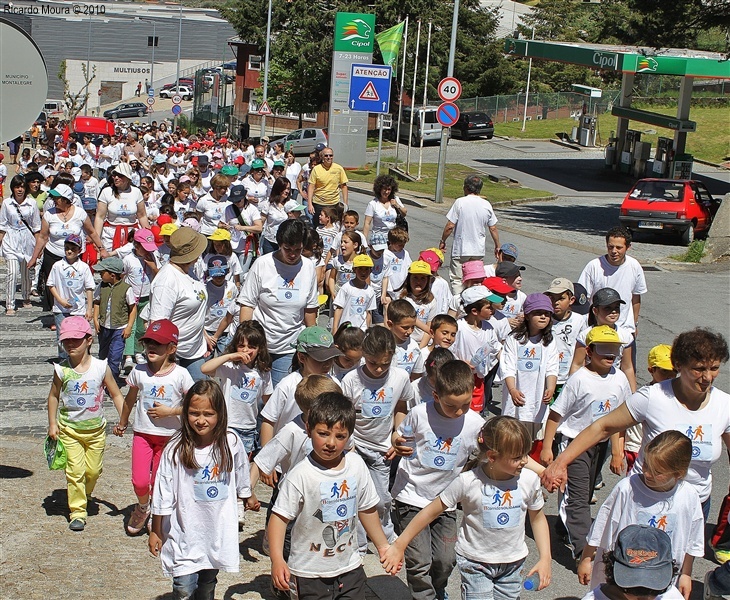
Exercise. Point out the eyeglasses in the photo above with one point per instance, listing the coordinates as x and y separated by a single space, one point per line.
327 155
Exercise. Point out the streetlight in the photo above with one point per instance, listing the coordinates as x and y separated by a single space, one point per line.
177 77
266 69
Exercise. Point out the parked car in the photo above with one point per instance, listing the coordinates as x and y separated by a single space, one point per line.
185 91
670 206
55 108
227 78
471 124
303 141
128 109
425 125
183 81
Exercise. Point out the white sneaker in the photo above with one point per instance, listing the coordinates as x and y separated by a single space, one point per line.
140 359
128 364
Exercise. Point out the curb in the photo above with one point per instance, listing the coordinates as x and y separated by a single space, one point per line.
669 264
712 164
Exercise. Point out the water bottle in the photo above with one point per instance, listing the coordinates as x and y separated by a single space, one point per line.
532 583
409 441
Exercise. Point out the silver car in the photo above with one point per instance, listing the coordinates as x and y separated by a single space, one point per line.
303 141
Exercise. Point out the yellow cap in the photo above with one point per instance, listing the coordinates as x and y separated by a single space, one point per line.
661 356
168 229
438 253
602 334
419 267
220 235
362 260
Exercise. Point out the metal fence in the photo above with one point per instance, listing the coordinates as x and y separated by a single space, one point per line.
557 105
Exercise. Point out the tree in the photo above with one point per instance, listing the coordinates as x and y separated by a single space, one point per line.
75 102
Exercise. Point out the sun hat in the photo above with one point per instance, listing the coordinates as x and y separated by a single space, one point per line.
509 250
112 264
430 257
54 450
47 171
560 285
661 356
74 328
229 170
168 229
378 241
319 147
62 191
186 245
642 558
318 343
606 296
33 176
146 239
123 169
420 267
498 285
162 331
160 159
473 269
220 235
265 138
507 269
192 223
74 239
217 265
477 293
202 159
258 163
294 206
602 334
535 302
362 260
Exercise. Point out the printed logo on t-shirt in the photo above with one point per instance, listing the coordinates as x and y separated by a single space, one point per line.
210 484
377 403
218 310
396 264
248 391
407 359
659 519
480 360
529 358
701 436
155 393
509 310
601 408
501 509
287 289
338 499
357 304
82 394
439 452
564 360
124 210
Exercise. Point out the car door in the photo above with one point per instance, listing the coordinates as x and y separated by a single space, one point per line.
309 141
292 140
702 207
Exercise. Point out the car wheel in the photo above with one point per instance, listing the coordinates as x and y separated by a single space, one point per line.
187 98
140 113
114 116
688 235
490 136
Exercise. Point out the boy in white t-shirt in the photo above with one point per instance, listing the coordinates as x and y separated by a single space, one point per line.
396 261
355 302
590 393
445 433
511 273
327 494
401 322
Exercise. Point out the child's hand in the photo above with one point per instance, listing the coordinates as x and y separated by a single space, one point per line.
253 503
400 448
89 315
518 398
684 585
53 431
159 411
127 332
97 327
617 465
390 454
546 456
269 480
280 575
66 304
548 395
244 357
154 544
585 569
544 569
391 558
119 429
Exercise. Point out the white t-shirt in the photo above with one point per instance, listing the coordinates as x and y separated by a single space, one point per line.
383 217
81 399
376 276
671 594
59 230
136 272
409 357
180 298
344 271
513 305
657 408
375 401
424 313
472 215
244 388
219 299
624 335
422 391
565 334
279 294
355 304
677 512
529 363
443 446
250 214
588 396
442 294
119 211
325 504
275 215
627 279
71 282
200 516
395 268
281 408
168 389
493 527
476 347
287 448
260 191
212 212
292 172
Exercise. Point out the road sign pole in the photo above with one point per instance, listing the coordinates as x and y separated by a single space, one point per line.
380 143
413 101
439 196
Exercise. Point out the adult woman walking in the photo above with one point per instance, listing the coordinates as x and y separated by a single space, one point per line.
280 292
212 206
383 210
273 211
688 403
244 222
120 209
20 222
59 221
175 295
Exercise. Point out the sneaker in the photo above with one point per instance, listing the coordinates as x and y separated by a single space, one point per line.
594 500
599 485
707 594
241 513
138 519
140 359
128 364
721 556
77 525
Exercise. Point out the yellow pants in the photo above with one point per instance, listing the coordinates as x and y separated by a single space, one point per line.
85 451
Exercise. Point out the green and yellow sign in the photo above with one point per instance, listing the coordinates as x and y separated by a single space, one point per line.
354 32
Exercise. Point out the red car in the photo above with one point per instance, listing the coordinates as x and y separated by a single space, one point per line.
675 206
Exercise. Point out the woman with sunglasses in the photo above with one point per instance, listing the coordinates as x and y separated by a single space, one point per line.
120 209
257 185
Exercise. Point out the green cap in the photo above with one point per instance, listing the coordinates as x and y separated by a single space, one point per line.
111 264
279 163
318 343
258 163
229 170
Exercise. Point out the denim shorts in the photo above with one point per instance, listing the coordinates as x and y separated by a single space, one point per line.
490 581
249 438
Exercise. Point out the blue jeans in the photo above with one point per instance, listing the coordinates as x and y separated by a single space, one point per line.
483 581
430 557
200 585
193 366
706 508
379 468
111 347
719 580
268 247
280 367
58 319
249 438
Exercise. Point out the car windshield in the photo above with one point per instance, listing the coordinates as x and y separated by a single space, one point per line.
665 191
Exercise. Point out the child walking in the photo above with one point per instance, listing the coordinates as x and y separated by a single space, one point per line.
348 340
495 496
401 322
355 302
202 471
417 291
157 388
76 414
342 266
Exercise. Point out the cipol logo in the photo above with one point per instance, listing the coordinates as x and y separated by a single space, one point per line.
646 63
357 29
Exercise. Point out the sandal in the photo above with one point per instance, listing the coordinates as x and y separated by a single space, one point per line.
9 312
27 304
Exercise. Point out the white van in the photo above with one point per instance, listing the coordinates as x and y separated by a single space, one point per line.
55 108
425 124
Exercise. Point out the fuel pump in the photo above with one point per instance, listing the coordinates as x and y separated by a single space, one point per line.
631 138
662 157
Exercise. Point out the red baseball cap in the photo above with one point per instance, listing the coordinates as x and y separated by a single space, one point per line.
155 229
163 331
238 160
164 219
498 286
223 141
431 258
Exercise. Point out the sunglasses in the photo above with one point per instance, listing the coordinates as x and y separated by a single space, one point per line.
328 156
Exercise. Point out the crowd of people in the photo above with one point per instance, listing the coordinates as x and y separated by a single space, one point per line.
263 337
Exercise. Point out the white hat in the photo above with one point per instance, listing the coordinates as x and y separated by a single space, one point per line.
62 191
47 171
124 170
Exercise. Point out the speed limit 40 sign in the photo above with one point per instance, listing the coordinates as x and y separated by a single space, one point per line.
449 89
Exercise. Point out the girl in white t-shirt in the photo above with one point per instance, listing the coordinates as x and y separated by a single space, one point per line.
157 388
342 269
348 339
203 470
417 291
495 496
659 498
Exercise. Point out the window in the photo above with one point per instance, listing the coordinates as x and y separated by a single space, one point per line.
152 41
254 62
310 133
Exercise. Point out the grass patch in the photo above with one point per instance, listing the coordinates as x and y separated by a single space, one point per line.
693 254
710 142
453 182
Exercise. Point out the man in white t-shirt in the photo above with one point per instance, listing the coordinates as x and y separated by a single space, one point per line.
469 219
